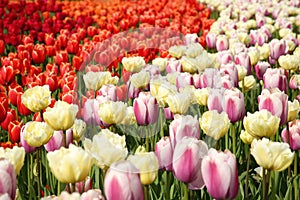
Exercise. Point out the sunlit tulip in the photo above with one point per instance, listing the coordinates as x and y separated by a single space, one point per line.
289 62
37 134
70 165
109 91
193 50
179 102
211 39
16 156
123 177
243 59
187 158
106 148
261 68
215 100
147 164
220 174
161 89
14 129
177 51
264 51
145 109
90 111
246 137
161 63
95 80
201 96
295 82
189 64
173 66
214 124
140 79
61 116
275 102
164 153
25 145
292 137
234 104
112 112
271 155
133 64
211 78
8 182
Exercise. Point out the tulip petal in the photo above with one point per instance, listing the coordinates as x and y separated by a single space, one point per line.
140 111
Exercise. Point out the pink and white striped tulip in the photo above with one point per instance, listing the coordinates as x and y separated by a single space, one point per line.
293 136
211 40
260 69
164 153
244 60
278 48
222 43
234 104
215 100
275 78
8 182
122 182
57 140
220 174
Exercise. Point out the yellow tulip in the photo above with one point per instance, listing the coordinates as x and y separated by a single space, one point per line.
133 64
95 80
140 79
246 137
293 110
37 98
179 103
37 134
271 155
16 156
112 112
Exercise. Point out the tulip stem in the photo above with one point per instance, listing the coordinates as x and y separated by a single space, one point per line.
58 188
167 186
296 192
233 135
147 140
265 183
247 174
65 138
146 192
38 172
186 191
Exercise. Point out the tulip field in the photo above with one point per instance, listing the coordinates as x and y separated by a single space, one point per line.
149 99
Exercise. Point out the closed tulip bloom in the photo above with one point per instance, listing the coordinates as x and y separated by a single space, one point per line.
231 70
106 148
264 51
211 78
187 158
260 69
15 156
277 48
201 96
145 109
25 145
164 153
214 124
61 116
292 137
248 84
177 51
215 100
140 79
191 38
243 59
211 40
148 166
189 64
57 140
275 102
220 174
94 194
90 110
70 165
111 112
133 64
179 103
224 57
37 98
293 110
109 91
173 66
234 104
161 63
261 124
246 137
124 178
193 50
78 130
275 156
95 80
181 126
295 82
8 182
222 43
289 62
37 134
161 89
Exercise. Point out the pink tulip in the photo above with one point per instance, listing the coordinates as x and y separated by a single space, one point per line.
211 40
222 43
275 78
295 82
8 182
173 66
57 140
168 113
275 102
215 100
82 186
224 57
109 91
227 82
234 104
260 19
197 81
244 60
258 37
220 174
211 78
90 111
231 71
132 92
277 48
145 109
293 136
122 182
260 69
27 147
181 126
95 194
183 80
191 38
164 153
187 158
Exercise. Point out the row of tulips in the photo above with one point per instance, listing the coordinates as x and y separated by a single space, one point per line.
52 68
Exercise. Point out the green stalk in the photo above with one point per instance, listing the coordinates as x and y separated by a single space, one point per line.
266 178
296 187
147 140
38 172
247 173
233 135
167 191
146 192
186 191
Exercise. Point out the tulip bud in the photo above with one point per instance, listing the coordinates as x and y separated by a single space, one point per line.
261 68
14 129
292 137
164 153
222 43
234 104
277 48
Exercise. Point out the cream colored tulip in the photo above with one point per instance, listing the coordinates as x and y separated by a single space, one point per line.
189 64
106 148
261 124
201 96
95 80
264 51
37 98
70 165
254 55
37 134
177 51
246 137
289 62
214 124
133 64
16 156
248 84
61 116
112 112
78 129
148 165
129 117
161 63
271 155
193 50
242 72
179 102
140 79
293 110
161 89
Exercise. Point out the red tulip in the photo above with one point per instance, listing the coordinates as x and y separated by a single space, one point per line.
39 54
3 107
7 74
10 116
21 107
76 62
72 46
2 47
14 129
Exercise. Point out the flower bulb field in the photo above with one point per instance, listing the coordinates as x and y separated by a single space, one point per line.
149 99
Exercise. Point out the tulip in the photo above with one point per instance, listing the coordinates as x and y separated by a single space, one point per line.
220 174
243 59
187 158
275 102
231 70
293 110
109 91
145 109
234 104
70 165
193 50
246 137
214 124
133 64
61 116
183 80
37 133
215 100
168 113
161 63
179 102
295 82
161 89
8 181
25 145
95 80
92 194
14 129
3 107
15 156
222 43
248 84
224 57
111 112
90 111
261 124
191 38
10 116
123 177
173 66
147 164
78 130
211 78
211 39
177 51
277 48
189 65
289 62
140 79
57 140
164 153
22 109
261 68
271 155
38 54
106 148
14 89
37 98
7 74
